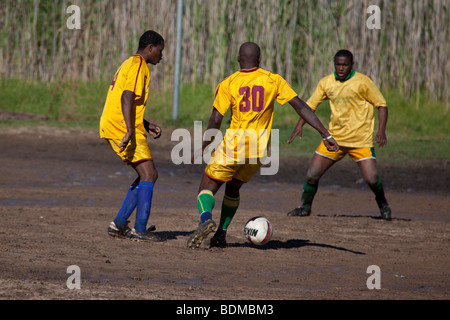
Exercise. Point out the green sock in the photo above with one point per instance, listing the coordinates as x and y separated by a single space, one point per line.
378 190
309 191
205 204
229 208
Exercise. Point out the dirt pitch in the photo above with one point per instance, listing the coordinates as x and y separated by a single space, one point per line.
60 189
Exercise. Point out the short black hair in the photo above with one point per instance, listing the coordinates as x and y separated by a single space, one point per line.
344 53
150 37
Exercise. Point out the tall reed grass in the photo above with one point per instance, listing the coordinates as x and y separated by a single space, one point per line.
298 40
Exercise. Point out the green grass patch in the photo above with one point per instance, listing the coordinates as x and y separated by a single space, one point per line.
195 104
417 128
66 102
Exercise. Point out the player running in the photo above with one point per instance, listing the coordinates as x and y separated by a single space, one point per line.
250 93
123 126
352 97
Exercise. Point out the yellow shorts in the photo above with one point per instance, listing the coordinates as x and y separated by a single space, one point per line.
356 154
225 172
136 150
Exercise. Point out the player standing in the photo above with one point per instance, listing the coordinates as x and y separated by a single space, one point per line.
123 126
250 93
352 97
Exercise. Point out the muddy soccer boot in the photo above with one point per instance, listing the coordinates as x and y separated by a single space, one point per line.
115 231
385 212
299 212
203 230
123 231
219 239
144 235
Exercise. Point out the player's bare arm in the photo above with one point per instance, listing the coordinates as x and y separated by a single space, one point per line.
380 137
298 130
307 115
153 129
127 110
215 121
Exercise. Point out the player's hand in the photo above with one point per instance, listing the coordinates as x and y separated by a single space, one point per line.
331 144
381 139
298 132
125 140
154 130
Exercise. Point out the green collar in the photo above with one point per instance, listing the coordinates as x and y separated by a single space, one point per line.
351 74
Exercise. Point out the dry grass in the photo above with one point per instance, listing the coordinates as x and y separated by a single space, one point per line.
298 39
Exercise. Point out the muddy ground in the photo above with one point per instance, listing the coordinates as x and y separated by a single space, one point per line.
59 190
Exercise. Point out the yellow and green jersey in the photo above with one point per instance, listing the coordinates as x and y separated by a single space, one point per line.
352 105
133 75
251 95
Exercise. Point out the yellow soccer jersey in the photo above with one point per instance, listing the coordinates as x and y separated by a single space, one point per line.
133 75
352 105
251 95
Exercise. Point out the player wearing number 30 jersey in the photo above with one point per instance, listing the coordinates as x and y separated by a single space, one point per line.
251 94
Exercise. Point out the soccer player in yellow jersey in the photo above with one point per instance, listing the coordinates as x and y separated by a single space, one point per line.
352 98
123 126
250 93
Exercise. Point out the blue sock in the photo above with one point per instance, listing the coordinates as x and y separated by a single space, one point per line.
205 216
144 204
128 205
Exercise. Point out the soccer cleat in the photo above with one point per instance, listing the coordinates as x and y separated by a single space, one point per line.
203 230
299 212
385 212
218 240
115 231
124 231
144 236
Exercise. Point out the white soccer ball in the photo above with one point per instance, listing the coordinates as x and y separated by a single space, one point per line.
258 230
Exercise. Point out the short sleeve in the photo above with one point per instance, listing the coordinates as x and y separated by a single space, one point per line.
222 100
135 80
373 95
285 91
318 96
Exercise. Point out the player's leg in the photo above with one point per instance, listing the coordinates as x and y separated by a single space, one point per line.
140 194
370 175
205 204
243 174
120 224
205 198
230 202
230 205
147 177
319 165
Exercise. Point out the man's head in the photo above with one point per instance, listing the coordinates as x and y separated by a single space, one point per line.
151 45
343 63
249 55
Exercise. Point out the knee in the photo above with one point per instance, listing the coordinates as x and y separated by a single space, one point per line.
233 187
369 172
232 192
149 176
372 180
154 176
312 177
